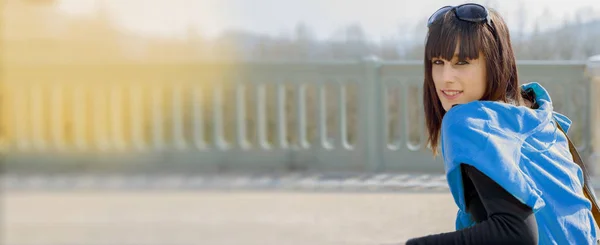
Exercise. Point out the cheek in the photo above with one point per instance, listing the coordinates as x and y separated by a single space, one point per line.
481 81
436 75
477 83
482 85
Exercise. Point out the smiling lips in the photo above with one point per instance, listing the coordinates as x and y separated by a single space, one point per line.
451 94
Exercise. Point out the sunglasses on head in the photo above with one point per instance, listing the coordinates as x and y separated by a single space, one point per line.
470 12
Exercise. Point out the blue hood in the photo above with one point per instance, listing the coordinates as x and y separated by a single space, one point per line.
524 151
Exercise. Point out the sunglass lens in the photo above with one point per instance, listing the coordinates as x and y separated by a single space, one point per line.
471 12
440 12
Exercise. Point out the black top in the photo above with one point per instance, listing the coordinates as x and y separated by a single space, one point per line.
500 217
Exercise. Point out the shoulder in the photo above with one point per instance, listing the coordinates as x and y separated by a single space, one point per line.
466 123
492 117
464 132
480 128
471 112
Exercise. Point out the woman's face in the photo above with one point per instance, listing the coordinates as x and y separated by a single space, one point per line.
459 81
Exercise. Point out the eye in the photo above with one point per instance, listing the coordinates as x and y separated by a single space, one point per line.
462 62
437 62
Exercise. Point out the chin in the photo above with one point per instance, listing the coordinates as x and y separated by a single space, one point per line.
447 107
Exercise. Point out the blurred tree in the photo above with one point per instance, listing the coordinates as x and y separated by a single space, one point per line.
356 45
303 46
391 49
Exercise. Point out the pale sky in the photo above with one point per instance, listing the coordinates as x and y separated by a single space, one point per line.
379 18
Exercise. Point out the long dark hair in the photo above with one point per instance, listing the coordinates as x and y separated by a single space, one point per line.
493 41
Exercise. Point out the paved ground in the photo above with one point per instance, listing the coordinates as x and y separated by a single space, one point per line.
221 217
268 209
302 181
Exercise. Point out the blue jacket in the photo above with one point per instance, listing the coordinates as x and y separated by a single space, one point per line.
525 152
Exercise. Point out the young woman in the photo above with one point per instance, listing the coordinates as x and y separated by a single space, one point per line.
507 162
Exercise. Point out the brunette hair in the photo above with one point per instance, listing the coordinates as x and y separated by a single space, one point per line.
493 41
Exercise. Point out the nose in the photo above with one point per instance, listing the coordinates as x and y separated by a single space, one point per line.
448 74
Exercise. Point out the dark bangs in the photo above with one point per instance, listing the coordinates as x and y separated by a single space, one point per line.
449 31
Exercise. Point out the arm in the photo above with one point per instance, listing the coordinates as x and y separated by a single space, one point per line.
501 218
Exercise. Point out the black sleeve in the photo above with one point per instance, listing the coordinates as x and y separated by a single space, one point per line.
500 217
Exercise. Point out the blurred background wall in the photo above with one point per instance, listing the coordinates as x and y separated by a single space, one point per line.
85 77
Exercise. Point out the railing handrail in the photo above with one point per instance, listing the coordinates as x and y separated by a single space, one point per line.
380 113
